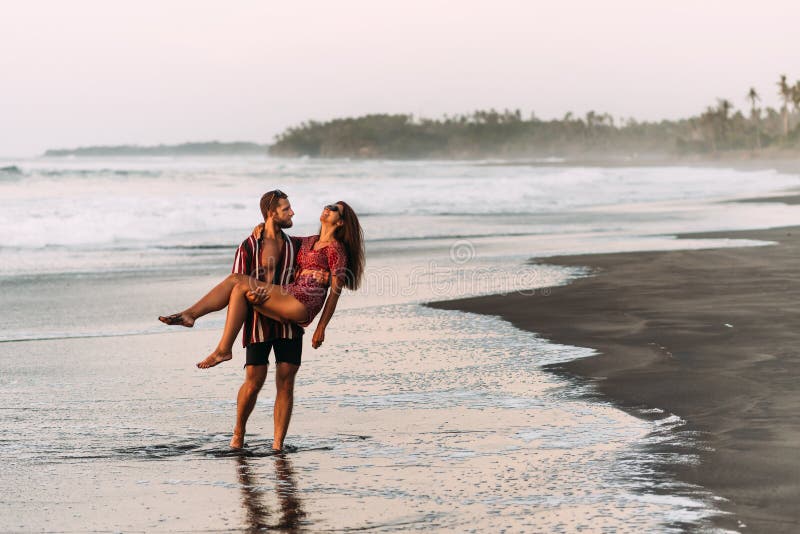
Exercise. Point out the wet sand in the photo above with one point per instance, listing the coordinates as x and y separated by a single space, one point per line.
407 419
712 336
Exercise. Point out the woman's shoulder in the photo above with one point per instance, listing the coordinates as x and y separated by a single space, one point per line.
336 250
338 246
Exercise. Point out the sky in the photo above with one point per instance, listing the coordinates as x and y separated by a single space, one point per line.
98 72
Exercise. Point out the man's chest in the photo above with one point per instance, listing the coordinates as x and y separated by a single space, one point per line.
271 253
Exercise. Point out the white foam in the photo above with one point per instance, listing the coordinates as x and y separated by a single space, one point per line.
110 215
153 201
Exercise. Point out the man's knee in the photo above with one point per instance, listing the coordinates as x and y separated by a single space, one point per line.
254 377
284 376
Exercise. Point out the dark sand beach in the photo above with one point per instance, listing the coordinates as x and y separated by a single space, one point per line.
712 336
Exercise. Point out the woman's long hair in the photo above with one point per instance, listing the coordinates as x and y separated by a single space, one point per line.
351 236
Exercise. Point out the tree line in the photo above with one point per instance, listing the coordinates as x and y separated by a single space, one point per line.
719 128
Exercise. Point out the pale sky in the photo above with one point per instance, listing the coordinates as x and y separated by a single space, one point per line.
88 72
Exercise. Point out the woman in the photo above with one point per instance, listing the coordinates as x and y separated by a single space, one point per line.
339 249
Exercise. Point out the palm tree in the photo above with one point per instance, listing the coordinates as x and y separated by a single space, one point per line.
708 121
724 108
796 96
755 114
785 92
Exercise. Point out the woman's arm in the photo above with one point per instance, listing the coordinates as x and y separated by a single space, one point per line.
327 311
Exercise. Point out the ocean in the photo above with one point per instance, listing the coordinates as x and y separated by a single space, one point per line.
407 419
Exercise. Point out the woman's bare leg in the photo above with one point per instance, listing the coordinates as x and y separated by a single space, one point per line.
237 312
214 300
279 305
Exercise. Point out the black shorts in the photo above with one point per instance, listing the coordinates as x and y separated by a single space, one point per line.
286 350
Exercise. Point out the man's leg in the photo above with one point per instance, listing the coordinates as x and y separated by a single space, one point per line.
284 400
255 373
288 353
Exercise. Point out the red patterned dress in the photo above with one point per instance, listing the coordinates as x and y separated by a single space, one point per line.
305 288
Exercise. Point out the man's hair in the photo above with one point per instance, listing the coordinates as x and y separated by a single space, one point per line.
269 201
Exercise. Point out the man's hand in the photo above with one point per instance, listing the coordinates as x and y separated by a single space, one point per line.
322 277
258 230
257 296
319 337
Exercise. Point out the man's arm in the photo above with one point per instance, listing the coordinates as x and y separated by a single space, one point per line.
243 260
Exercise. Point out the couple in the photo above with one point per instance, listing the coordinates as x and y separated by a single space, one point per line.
278 285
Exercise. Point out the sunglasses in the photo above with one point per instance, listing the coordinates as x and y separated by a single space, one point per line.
332 207
276 194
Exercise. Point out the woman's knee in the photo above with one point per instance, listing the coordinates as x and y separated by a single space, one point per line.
241 288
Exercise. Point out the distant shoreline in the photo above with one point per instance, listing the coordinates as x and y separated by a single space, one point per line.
786 161
209 148
593 158
717 133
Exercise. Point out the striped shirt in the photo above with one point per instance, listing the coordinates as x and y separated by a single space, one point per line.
258 328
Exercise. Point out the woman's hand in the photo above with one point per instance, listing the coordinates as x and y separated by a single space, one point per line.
319 337
258 230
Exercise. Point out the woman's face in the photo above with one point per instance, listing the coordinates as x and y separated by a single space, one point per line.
331 214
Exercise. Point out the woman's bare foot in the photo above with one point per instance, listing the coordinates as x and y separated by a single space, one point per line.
180 319
215 358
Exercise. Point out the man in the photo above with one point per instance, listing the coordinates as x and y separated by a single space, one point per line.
271 258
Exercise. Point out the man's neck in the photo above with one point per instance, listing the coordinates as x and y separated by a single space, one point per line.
272 230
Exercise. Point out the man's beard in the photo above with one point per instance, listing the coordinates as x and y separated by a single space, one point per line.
285 224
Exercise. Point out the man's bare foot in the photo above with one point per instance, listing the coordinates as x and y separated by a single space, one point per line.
180 319
237 441
215 358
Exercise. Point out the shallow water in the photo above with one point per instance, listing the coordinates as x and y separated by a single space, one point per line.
451 426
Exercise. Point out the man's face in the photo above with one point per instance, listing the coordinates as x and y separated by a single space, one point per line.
282 215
